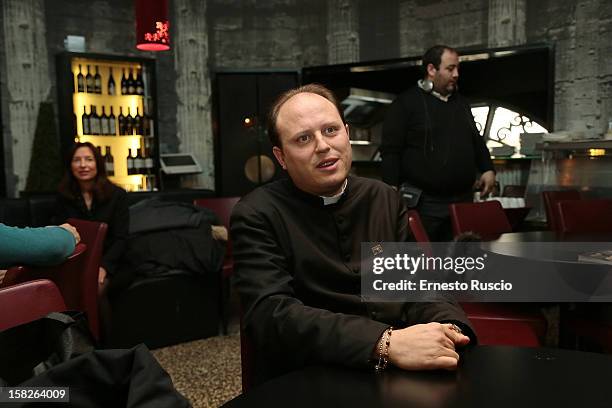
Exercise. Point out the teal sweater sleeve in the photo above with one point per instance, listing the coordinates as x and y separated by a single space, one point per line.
34 246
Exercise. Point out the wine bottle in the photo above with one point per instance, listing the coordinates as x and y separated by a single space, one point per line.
111 82
138 162
129 123
121 122
97 82
130 162
138 123
74 124
146 121
139 83
94 120
86 122
112 127
80 81
89 81
131 83
104 128
124 89
109 162
148 161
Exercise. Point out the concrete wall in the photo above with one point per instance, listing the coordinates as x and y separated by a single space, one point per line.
258 34
582 33
267 34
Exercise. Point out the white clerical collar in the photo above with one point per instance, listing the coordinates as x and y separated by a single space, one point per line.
421 84
335 198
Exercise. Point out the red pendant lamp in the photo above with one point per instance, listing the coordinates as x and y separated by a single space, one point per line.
152 25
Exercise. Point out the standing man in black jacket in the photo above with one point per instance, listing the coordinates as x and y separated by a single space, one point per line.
297 252
431 148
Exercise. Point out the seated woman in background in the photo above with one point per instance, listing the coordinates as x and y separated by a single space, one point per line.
86 193
36 246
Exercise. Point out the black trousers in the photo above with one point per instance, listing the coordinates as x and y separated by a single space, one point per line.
435 214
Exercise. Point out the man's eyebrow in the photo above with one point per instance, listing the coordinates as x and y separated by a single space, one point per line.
336 122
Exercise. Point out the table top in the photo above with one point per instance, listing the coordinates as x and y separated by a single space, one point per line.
552 236
548 245
488 376
544 266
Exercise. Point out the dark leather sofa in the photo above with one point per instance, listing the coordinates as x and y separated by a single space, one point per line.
157 311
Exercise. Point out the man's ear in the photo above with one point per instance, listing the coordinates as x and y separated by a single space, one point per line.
278 153
431 70
346 126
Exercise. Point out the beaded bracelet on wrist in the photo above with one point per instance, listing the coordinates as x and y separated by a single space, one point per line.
383 350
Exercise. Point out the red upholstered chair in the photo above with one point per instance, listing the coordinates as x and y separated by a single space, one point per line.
418 231
584 216
486 219
222 207
550 199
495 324
93 235
580 217
416 226
23 273
593 330
11 276
77 278
25 302
510 324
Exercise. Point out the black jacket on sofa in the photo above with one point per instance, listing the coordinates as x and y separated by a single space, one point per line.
167 238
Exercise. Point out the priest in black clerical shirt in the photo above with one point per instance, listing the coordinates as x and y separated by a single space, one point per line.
297 257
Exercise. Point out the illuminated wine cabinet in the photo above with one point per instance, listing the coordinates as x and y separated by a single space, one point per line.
110 102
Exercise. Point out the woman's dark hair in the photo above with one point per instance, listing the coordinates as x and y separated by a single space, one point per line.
69 186
317 89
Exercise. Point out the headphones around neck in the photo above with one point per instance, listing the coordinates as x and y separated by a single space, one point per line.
426 85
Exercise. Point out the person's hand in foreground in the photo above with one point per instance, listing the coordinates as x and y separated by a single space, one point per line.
73 231
428 346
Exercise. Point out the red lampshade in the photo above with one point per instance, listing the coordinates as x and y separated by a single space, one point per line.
152 25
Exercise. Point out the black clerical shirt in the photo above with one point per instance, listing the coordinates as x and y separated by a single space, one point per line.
297 269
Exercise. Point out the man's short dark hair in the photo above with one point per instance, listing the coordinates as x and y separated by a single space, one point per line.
434 56
317 89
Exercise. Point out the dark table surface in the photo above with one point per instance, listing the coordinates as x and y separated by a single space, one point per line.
548 245
551 236
488 376
544 266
